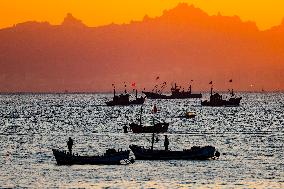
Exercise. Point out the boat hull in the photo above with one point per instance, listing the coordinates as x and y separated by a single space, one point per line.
157 128
195 153
137 101
63 158
152 95
185 95
230 103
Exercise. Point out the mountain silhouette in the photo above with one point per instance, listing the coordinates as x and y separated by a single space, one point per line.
182 44
70 21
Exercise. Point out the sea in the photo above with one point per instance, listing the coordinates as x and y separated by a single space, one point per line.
250 139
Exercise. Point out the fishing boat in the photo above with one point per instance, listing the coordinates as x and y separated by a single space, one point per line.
158 127
217 100
155 95
176 91
190 115
137 100
110 157
194 153
123 100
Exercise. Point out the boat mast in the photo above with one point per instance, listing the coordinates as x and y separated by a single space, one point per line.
136 94
152 146
140 119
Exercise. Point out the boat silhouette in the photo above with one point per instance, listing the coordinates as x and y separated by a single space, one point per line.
158 127
123 99
194 153
176 91
110 157
217 100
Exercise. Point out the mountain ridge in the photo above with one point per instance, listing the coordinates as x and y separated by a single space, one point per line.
184 43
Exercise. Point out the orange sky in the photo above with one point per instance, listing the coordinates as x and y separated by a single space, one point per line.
265 13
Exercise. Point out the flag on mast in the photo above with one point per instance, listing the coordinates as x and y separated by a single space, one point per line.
211 82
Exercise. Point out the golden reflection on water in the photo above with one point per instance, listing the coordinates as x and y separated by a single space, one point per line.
250 136
172 185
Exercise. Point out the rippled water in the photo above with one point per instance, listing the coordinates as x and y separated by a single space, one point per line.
250 139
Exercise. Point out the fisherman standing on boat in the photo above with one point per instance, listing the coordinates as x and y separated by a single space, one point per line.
125 129
166 143
70 144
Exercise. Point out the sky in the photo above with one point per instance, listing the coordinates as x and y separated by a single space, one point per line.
266 13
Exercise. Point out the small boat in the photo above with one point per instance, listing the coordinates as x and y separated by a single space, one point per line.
137 100
123 100
217 100
194 153
110 157
190 115
156 128
176 93
160 127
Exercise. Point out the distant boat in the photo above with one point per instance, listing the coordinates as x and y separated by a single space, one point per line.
111 157
217 100
155 95
176 94
194 153
123 100
190 115
187 115
155 128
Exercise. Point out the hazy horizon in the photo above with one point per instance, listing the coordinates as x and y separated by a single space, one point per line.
183 44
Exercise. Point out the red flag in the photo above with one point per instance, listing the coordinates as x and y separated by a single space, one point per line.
133 84
210 82
155 109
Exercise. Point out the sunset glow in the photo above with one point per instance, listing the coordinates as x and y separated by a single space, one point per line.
94 13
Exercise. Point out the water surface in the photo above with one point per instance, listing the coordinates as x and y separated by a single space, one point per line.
250 139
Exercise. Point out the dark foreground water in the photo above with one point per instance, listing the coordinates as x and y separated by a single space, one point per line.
250 139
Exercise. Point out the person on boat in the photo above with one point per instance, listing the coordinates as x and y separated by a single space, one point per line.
125 129
70 144
166 143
